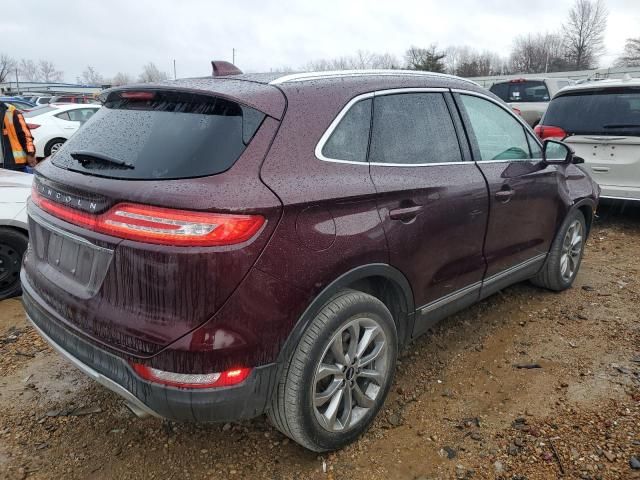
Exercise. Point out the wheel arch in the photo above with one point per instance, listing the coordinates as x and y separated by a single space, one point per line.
380 280
587 207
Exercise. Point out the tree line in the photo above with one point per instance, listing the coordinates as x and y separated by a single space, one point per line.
576 46
45 71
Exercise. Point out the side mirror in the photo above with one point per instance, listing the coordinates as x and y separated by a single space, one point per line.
555 152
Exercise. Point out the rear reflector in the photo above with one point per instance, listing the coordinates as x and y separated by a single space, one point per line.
164 226
195 380
547 131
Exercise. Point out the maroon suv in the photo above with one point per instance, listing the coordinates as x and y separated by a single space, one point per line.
214 249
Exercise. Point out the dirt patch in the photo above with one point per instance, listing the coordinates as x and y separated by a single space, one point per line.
460 406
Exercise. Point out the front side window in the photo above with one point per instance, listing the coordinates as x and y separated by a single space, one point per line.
349 140
498 134
413 128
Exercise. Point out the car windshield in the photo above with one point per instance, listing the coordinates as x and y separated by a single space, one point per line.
160 135
599 112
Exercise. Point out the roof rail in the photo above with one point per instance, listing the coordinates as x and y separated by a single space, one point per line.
307 76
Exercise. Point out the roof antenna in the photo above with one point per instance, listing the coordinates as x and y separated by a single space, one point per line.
222 68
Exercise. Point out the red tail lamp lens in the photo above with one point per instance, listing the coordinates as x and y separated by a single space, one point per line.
547 131
164 226
227 378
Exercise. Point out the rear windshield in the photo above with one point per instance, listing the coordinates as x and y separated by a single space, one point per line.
522 91
602 112
38 111
160 135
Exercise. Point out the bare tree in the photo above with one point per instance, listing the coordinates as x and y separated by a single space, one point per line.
47 72
121 78
584 33
631 55
151 73
538 53
7 66
429 59
91 77
28 70
466 62
360 61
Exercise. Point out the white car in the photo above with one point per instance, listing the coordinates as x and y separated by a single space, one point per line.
601 122
52 125
15 188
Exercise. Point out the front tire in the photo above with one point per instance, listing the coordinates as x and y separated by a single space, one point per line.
565 257
338 377
13 244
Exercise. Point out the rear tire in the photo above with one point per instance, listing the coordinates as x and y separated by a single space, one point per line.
563 262
52 146
329 372
13 244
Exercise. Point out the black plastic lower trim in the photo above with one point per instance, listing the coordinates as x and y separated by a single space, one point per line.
223 404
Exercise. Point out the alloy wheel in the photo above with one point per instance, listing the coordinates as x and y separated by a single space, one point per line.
571 251
350 375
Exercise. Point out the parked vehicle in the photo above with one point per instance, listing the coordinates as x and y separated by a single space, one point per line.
601 122
52 125
15 188
529 96
74 99
42 100
19 103
216 248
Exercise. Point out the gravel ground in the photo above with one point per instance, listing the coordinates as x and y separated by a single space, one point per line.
460 406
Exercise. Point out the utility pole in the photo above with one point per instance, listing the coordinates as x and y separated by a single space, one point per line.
17 83
174 69
233 56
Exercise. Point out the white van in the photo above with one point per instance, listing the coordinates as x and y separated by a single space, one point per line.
601 122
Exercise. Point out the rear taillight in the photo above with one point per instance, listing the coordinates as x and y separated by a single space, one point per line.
164 226
33 126
192 380
548 131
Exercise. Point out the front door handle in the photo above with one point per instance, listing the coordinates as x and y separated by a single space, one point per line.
505 194
405 214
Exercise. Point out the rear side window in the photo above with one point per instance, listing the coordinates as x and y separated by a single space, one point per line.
601 112
413 128
160 135
350 138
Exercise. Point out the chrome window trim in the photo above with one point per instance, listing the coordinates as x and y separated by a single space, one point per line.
391 91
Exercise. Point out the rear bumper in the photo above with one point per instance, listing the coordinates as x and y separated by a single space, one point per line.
247 400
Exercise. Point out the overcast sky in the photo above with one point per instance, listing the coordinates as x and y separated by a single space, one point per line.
119 35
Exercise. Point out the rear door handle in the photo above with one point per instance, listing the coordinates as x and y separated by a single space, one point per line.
600 169
406 213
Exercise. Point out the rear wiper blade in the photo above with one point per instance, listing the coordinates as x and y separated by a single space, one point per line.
86 157
622 125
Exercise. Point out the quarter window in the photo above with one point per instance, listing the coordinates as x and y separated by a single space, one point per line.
498 134
349 140
413 128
